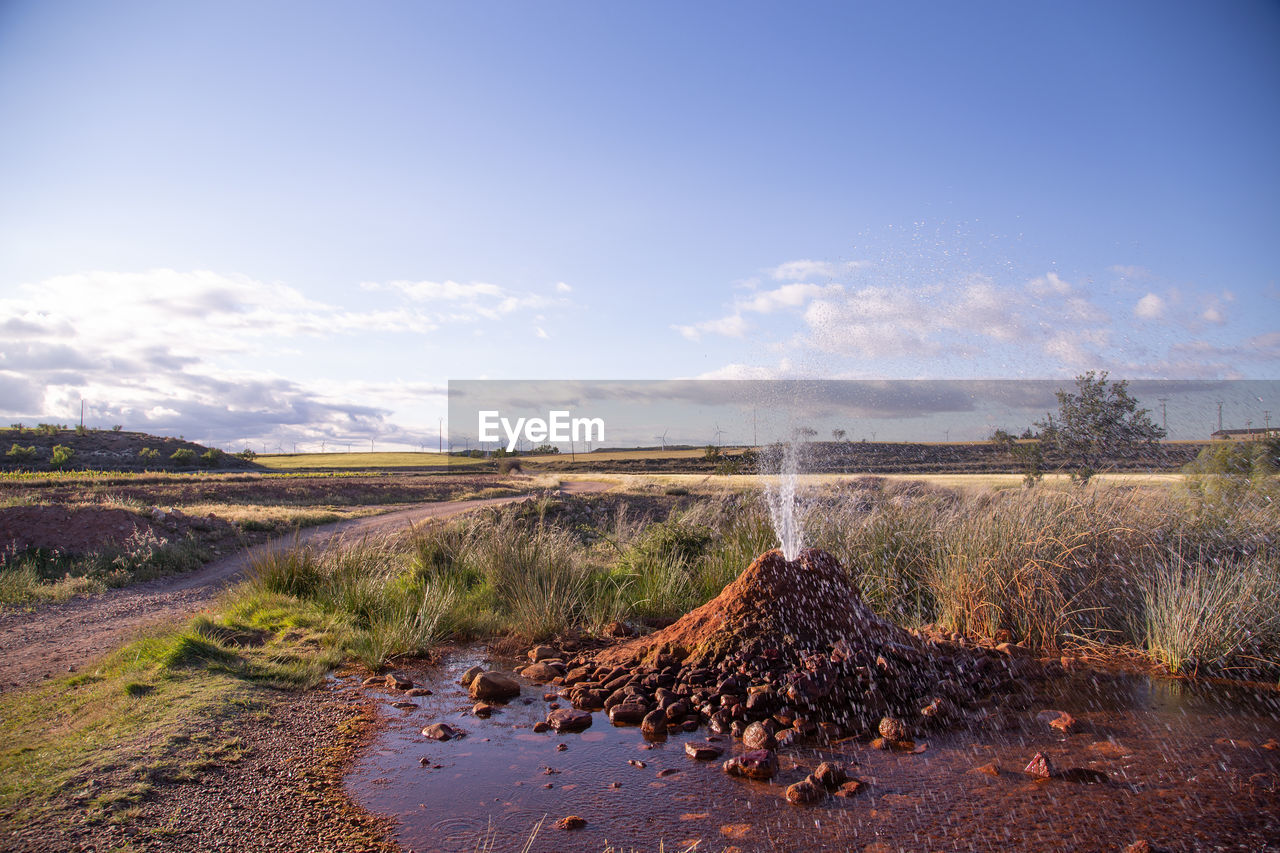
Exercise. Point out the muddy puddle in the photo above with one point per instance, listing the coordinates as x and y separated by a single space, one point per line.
1183 768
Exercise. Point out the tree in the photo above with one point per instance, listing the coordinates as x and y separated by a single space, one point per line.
1096 424
60 456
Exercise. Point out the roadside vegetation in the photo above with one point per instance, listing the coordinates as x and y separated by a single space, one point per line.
1188 576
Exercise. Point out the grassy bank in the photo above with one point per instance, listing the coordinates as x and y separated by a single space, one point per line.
1192 584
162 709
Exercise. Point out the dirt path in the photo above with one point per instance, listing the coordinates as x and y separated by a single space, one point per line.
62 637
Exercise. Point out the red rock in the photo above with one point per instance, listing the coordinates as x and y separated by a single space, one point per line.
628 714
398 681
892 728
758 736
702 751
1040 767
1060 720
441 732
569 720
756 764
828 774
469 675
805 792
541 673
541 726
494 685
540 653
850 788
482 709
571 822
654 725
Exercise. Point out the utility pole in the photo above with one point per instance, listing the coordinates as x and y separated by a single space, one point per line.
1219 416
1266 419
82 414
440 436
1164 414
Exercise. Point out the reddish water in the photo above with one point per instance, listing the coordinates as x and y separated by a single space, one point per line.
1187 769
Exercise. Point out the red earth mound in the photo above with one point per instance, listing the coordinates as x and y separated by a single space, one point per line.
81 530
794 638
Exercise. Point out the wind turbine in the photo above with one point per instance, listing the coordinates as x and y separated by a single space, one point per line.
719 432
664 437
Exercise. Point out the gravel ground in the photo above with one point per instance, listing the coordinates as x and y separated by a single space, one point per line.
284 794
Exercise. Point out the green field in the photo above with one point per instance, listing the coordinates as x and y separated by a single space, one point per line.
362 461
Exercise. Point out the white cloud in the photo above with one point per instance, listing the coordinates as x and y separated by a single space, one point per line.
1150 307
1049 284
733 326
561 287
787 296
541 332
1213 315
806 269
743 371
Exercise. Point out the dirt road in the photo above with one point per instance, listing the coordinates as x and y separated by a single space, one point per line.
63 637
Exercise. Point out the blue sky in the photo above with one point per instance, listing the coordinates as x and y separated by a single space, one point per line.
294 222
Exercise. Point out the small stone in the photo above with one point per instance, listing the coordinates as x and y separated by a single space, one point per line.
637 763
702 751
989 769
374 681
805 792
541 653
1060 720
628 714
654 725
482 709
404 706
756 764
569 720
758 736
398 681
892 728
615 785
1139 846
1040 767
849 789
561 747
541 726
417 691
440 731
668 771
540 673
494 685
828 774
469 675
571 822
618 629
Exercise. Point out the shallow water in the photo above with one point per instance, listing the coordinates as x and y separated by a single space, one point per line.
1187 766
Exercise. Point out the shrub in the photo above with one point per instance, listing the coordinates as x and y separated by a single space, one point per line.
60 456
509 465
183 457
117 427
22 454
247 455
81 429
48 429
211 458
148 454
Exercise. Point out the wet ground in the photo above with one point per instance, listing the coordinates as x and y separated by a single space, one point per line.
1186 768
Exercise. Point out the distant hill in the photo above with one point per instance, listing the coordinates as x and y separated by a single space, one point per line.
107 450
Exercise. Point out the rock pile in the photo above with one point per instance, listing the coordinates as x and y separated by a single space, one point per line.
787 653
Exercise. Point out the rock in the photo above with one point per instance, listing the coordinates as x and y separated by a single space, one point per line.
756 764
805 792
541 726
482 709
628 714
849 789
405 706
470 675
571 822
1139 846
374 681
1040 767
1060 720
1084 776
494 685
398 681
619 629
787 738
541 653
758 736
577 674
540 673
654 725
702 751
441 732
668 771
417 691
828 774
637 763
892 728
569 720
989 769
